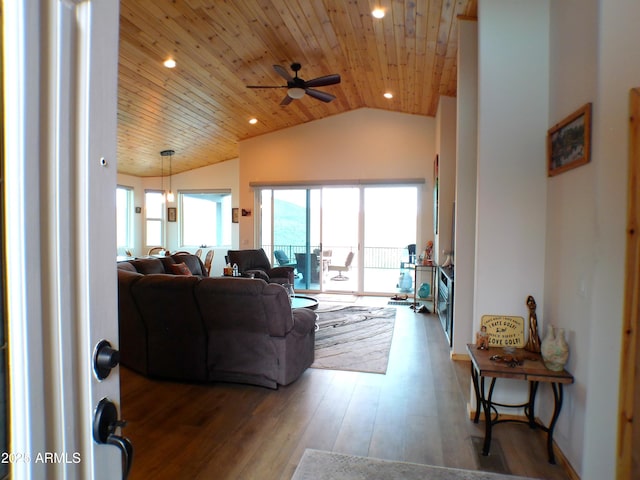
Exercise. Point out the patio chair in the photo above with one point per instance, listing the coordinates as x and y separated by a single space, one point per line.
301 261
341 268
282 259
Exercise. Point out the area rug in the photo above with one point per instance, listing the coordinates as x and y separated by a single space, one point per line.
354 338
321 465
336 297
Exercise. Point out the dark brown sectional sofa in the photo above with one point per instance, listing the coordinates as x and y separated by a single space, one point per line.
202 329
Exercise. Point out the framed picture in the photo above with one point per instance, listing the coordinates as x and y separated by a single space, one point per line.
171 214
569 142
234 215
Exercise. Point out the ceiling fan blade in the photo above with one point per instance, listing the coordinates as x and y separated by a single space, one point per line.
323 81
286 100
266 86
325 97
283 73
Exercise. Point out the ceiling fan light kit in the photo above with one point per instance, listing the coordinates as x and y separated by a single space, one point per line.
297 87
296 92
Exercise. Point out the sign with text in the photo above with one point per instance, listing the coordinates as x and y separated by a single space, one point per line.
504 331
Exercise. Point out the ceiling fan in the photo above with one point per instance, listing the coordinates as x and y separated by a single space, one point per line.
297 87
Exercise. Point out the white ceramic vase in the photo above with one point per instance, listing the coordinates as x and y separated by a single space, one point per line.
554 349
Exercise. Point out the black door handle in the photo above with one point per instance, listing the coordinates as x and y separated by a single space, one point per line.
104 359
105 423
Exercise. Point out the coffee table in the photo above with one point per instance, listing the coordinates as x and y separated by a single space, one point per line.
300 301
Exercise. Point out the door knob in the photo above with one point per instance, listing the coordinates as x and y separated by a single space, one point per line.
105 423
104 359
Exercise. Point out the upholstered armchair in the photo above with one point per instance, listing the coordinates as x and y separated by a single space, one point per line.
257 263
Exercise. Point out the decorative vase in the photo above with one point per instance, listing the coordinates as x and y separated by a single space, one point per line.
554 349
424 291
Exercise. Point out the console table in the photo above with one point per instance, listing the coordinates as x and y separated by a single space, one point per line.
531 370
417 268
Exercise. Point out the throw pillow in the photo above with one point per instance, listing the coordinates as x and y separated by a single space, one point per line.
180 269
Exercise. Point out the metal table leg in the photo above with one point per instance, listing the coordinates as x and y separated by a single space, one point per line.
557 398
474 377
488 423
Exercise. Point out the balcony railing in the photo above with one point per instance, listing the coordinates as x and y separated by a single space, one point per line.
374 257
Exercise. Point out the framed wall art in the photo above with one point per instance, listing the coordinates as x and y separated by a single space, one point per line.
234 215
569 142
171 214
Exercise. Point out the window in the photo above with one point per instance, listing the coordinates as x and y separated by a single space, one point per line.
205 218
154 208
124 211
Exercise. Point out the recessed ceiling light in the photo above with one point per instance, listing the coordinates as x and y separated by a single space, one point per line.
170 63
253 121
388 95
378 13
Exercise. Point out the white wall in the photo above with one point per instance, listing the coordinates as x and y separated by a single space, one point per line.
446 150
571 233
465 190
364 144
618 72
513 79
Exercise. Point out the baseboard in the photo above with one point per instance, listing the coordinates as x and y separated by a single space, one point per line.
460 357
472 413
564 463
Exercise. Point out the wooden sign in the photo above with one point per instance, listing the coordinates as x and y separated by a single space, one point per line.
504 331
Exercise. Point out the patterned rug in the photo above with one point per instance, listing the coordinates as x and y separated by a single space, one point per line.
321 465
336 297
355 338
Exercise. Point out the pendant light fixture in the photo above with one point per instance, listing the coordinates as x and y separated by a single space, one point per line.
168 153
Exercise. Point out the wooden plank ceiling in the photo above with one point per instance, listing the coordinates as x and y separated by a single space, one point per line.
201 108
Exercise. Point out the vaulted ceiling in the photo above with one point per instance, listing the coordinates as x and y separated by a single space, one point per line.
201 108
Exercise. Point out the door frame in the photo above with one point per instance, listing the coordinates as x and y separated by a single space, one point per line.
60 119
629 398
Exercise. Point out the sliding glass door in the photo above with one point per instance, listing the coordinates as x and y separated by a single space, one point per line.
340 238
290 232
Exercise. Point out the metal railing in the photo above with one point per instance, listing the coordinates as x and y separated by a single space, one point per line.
374 257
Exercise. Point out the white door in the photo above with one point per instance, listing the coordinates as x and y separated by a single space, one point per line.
60 100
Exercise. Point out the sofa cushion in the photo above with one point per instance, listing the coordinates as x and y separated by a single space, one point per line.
148 265
176 338
131 328
237 322
192 261
126 266
180 269
166 263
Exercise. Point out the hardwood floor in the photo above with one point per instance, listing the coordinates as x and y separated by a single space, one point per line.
417 412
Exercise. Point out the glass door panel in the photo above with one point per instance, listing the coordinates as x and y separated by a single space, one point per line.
340 238
390 225
291 233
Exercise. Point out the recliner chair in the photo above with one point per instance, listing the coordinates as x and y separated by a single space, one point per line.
256 262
